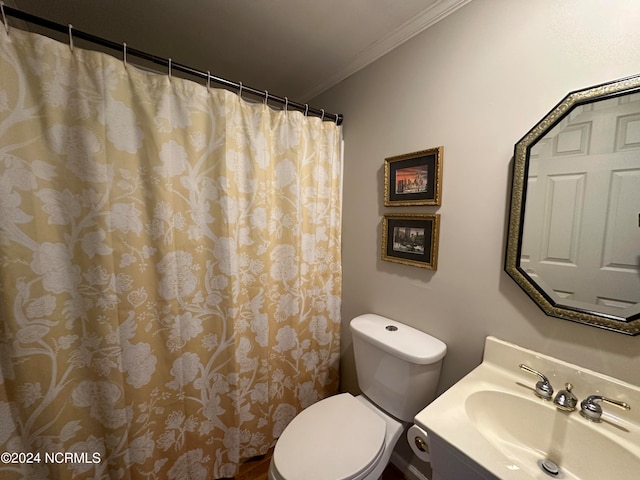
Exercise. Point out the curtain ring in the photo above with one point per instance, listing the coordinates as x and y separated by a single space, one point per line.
322 118
208 81
124 53
169 69
4 18
306 109
240 91
71 37
266 96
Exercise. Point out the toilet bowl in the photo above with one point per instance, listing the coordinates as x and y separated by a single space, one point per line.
341 437
346 437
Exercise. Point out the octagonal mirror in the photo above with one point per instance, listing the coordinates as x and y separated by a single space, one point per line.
574 227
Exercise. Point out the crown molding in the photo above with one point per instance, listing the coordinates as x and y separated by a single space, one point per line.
428 17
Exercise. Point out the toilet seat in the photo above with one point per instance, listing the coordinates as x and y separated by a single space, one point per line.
338 438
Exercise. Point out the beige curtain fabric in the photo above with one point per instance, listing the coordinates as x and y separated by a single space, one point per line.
170 272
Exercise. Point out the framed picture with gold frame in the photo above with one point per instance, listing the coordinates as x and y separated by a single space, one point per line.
414 178
411 239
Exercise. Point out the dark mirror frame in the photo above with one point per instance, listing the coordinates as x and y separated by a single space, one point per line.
621 324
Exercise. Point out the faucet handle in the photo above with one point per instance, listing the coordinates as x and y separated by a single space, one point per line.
591 410
544 389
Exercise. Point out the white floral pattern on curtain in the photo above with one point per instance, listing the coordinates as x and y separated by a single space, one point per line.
170 272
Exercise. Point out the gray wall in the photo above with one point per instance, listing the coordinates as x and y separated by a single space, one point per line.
475 83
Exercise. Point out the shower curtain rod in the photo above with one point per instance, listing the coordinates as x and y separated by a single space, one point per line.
168 63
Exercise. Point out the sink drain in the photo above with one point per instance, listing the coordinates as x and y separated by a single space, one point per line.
550 468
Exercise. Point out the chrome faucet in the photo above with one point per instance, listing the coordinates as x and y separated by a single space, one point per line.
565 400
544 389
591 410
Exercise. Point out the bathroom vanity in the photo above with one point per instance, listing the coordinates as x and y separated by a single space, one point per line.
512 418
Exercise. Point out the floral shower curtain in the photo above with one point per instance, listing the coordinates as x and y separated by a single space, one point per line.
170 271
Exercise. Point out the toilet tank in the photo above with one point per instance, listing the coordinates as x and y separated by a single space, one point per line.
398 367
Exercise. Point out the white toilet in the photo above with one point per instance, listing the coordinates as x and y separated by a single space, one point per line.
351 438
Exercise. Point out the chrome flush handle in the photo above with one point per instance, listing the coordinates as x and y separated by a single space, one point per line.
544 389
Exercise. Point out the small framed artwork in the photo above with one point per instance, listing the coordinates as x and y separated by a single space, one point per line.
414 178
411 239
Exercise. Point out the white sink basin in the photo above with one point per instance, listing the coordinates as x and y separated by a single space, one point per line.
491 425
528 430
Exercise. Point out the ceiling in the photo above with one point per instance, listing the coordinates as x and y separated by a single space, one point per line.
294 48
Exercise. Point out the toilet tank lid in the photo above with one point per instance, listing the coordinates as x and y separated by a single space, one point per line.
398 339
